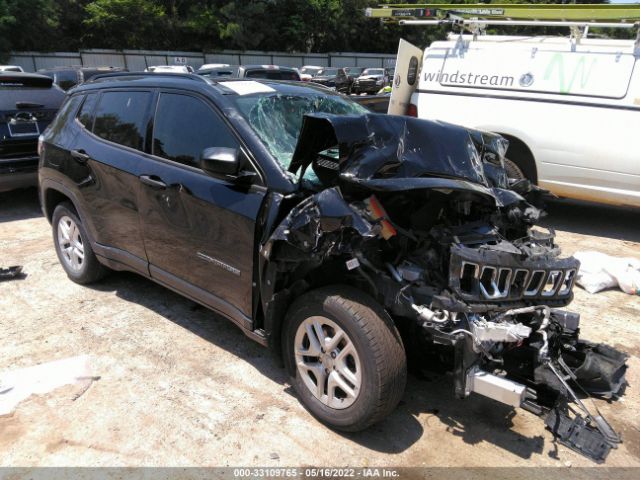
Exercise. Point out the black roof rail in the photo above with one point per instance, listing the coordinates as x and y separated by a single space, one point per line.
108 75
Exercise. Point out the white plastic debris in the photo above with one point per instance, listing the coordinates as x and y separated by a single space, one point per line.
599 271
17 385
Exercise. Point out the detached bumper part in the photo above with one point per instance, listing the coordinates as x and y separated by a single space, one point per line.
497 388
578 435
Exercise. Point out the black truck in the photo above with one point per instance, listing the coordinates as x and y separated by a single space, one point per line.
338 237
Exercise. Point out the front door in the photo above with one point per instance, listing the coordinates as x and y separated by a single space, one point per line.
198 230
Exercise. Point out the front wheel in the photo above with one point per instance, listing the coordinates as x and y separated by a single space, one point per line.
514 172
345 356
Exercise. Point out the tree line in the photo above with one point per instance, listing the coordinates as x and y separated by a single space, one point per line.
205 25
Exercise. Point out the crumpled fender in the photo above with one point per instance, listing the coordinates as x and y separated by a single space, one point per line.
316 224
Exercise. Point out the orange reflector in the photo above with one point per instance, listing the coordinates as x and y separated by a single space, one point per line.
377 211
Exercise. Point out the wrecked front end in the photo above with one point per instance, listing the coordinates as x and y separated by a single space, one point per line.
421 216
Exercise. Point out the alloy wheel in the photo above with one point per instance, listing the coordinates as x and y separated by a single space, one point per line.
70 243
328 362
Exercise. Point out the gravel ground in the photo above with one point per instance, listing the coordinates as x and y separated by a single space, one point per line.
180 386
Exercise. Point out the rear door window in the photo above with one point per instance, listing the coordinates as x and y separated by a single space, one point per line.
121 117
184 126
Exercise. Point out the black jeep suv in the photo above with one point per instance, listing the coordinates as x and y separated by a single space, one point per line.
324 231
28 103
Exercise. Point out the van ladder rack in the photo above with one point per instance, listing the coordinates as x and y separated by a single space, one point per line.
606 13
476 17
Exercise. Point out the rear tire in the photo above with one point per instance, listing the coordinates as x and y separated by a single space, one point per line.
359 376
73 246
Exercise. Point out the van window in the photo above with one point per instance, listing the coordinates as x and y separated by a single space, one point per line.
184 126
120 118
85 115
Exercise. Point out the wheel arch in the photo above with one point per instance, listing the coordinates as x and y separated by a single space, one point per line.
520 153
54 193
283 298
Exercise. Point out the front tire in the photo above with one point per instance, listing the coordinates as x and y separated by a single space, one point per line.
345 357
73 247
514 172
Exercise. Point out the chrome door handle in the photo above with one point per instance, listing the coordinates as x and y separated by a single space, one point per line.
152 182
80 156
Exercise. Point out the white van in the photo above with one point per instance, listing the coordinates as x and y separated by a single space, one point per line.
570 109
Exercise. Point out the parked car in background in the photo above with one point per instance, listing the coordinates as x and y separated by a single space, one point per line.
308 72
28 103
11 68
370 81
169 69
208 66
69 77
354 72
268 72
218 72
333 78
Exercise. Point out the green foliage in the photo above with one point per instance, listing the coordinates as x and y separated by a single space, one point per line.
124 23
282 25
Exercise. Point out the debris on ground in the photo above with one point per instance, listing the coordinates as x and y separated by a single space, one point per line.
599 271
18 385
11 273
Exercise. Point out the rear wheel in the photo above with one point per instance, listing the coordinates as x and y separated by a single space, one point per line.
73 247
345 357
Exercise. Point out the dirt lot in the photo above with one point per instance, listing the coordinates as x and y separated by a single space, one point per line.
180 386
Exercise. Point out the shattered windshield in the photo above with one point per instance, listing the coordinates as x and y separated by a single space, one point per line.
277 118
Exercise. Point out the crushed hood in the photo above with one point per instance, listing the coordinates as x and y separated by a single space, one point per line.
393 153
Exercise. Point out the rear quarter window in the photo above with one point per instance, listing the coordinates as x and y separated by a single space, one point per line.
66 79
121 118
66 112
85 115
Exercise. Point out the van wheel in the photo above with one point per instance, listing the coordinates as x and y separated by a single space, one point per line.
73 247
513 170
345 357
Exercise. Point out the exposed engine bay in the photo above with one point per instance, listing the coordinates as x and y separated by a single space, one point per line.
421 216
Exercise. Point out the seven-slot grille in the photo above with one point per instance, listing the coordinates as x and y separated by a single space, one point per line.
492 276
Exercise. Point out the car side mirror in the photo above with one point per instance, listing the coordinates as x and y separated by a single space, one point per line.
225 163
220 161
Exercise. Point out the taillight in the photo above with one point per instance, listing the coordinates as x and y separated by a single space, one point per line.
412 110
40 145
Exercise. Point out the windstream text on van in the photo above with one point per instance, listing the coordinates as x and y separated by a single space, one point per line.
469 78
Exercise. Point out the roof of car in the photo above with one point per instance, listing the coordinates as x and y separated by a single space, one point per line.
106 68
190 81
266 67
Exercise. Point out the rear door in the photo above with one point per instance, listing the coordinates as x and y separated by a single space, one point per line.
107 154
198 230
